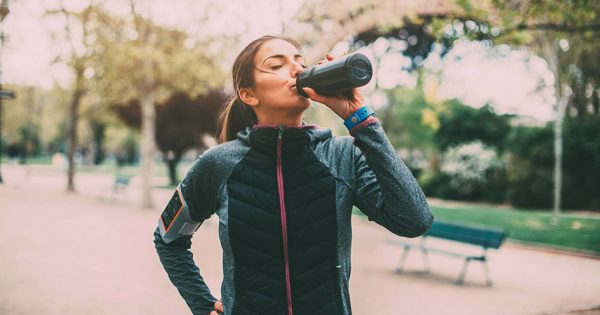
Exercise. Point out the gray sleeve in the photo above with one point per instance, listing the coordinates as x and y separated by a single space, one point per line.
386 190
176 256
178 261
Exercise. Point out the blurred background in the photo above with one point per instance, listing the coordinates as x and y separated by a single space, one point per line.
105 104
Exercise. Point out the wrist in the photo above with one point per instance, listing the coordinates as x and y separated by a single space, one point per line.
351 110
358 116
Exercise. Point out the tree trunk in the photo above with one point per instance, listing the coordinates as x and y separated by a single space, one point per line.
72 132
147 148
550 50
147 89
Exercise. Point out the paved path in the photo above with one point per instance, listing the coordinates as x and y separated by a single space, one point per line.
88 254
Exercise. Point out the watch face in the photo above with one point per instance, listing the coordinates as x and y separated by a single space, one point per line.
354 119
171 210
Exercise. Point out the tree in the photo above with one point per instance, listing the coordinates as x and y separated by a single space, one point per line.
181 123
140 60
77 58
344 19
543 25
22 122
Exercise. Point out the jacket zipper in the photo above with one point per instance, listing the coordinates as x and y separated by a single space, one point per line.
283 221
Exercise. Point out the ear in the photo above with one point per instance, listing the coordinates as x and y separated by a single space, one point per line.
248 96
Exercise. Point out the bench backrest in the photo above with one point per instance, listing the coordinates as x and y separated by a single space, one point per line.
122 180
486 237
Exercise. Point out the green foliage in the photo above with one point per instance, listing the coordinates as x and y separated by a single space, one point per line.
582 163
533 144
530 186
478 175
35 120
453 177
524 178
133 59
181 121
468 165
531 174
461 124
405 121
21 122
123 143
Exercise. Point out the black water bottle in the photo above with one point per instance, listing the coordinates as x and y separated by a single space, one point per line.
337 76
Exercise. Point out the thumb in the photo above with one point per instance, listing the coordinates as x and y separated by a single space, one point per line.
219 306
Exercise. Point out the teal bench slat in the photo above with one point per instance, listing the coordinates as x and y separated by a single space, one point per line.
485 237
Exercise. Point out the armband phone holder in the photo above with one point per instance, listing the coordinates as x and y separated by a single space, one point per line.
176 220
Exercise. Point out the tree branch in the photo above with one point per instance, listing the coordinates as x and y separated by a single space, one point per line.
556 27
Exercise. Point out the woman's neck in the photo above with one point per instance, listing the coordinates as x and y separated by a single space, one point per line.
278 119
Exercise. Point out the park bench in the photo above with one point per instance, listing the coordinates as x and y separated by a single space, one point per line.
482 237
120 184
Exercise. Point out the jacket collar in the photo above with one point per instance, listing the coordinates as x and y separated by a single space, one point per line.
294 138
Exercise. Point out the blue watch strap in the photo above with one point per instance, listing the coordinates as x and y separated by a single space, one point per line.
358 116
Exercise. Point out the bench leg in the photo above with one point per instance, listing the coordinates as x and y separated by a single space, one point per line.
488 278
403 258
461 277
114 192
426 260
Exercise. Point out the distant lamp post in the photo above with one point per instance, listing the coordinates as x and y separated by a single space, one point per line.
3 13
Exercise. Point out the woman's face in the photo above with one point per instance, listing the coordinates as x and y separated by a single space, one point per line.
276 66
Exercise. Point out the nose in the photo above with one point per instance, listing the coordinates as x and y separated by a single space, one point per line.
297 69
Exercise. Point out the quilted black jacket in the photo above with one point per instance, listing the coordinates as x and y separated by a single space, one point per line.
284 197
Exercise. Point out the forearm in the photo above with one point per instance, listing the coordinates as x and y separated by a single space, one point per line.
394 199
179 264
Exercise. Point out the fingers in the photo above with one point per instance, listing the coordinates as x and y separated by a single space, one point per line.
328 57
313 95
218 309
219 306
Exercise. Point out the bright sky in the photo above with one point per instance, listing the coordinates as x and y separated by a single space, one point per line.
512 81
29 49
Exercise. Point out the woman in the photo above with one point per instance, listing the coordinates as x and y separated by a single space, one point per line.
283 191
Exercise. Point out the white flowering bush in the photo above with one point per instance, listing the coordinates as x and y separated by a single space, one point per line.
467 165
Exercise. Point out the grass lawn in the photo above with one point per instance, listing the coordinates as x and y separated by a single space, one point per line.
578 233
574 232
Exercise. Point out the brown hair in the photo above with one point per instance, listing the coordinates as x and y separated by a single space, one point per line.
237 115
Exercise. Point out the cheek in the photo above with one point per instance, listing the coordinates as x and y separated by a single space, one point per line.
272 87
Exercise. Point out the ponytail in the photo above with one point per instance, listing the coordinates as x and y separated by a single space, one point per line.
235 117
